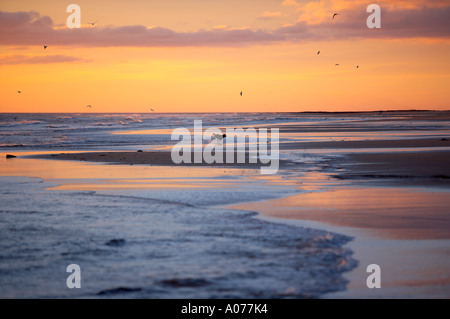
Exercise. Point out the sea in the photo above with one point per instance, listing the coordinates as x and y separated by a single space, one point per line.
157 243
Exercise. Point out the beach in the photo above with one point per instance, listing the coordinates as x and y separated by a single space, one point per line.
207 150
352 189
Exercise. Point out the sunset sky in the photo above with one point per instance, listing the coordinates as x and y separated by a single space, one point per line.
197 55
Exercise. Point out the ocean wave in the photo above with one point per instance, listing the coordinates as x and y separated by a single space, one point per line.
17 123
205 252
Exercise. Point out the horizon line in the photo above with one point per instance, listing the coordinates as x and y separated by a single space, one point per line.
309 112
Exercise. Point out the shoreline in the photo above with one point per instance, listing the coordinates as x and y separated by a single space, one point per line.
420 178
383 233
385 219
403 271
394 205
156 158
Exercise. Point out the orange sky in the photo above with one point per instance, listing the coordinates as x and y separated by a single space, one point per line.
196 56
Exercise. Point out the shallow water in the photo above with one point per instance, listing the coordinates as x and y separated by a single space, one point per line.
69 131
136 247
163 242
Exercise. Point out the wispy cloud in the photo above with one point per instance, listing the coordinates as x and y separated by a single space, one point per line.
291 3
314 24
268 15
41 59
29 28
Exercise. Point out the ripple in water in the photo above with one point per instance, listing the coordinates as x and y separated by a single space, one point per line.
143 248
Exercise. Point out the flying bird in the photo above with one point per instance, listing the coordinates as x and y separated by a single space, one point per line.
152 110
92 23
357 66
240 93
89 106
336 14
218 137
337 64
19 92
318 52
45 47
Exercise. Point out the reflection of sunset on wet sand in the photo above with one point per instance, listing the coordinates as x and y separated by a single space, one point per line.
370 188
388 212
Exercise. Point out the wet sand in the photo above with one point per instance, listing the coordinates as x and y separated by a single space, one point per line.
403 229
164 157
417 168
406 231
381 144
392 195
389 212
391 209
161 158
395 203
410 268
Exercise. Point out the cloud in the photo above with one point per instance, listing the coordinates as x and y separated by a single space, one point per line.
29 28
42 59
291 3
268 15
402 19
314 24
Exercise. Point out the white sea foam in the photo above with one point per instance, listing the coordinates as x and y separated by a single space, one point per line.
139 247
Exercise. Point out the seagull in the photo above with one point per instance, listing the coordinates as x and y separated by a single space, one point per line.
89 106
337 64
218 136
19 92
336 14
357 66
318 52
152 110
92 23
241 93
45 47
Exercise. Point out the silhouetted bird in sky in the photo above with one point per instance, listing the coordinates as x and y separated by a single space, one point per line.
89 106
318 52
19 92
218 136
45 47
336 14
357 66
152 110
92 23
240 93
337 64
